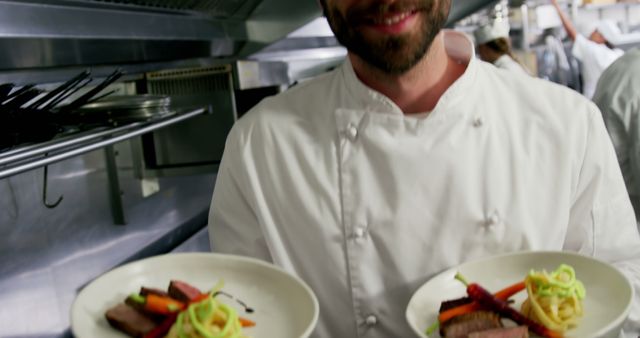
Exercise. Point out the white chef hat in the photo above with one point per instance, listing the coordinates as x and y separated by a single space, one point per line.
491 31
607 28
586 28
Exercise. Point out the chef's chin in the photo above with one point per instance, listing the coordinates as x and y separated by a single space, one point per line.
390 53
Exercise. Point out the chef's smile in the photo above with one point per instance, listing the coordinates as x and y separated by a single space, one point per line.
393 23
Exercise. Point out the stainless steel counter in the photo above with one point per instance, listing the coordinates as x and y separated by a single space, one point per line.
47 255
199 242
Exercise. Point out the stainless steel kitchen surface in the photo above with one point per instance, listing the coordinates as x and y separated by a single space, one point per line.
47 255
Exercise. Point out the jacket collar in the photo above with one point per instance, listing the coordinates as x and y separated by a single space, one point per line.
458 45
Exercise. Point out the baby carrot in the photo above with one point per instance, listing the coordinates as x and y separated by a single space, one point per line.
246 322
162 305
489 301
503 294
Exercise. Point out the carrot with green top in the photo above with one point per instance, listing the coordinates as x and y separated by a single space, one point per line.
489 301
503 294
162 305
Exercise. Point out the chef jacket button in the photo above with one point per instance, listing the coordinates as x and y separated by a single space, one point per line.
371 320
352 132
477 122
359 232
494 219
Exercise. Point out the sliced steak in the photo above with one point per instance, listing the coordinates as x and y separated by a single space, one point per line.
183 291
461 326
507 332
128 320
156 317
146 291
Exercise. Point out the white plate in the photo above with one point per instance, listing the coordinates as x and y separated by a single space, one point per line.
606 306
284 305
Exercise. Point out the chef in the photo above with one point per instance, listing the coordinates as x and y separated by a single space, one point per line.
494 46
618 98
595 51
411 158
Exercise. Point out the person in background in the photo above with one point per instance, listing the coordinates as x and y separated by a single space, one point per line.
595 53
618 97
411 158
494 46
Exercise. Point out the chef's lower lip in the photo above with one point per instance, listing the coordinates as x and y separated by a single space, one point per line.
395 27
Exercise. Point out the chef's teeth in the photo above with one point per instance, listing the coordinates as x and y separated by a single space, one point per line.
393 20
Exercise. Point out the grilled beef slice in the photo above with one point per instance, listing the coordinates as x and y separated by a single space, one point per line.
128 320
507 332
461 326
156 317
146 291
183 291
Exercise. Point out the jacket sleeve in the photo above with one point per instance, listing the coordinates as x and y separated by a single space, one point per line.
618 99
580 47
618 133
234 227
602 222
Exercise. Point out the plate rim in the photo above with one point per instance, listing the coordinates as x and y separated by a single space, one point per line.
159 257
619 320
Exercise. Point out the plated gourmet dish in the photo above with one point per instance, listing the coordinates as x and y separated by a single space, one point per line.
181 311
280 304
605 307
553 306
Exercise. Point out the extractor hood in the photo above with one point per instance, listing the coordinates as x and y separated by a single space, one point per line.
53 33
36 34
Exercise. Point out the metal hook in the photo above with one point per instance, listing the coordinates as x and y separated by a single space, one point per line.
44 191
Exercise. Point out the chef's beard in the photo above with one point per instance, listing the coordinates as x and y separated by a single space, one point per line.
391 54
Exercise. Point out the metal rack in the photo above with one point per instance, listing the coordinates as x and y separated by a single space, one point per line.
40 155
24 159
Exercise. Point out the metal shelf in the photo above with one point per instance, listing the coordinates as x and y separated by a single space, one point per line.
40 155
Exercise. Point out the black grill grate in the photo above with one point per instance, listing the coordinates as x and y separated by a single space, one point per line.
190 81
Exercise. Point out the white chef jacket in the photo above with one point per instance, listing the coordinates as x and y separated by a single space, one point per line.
595 59
507 62
330 181
618 97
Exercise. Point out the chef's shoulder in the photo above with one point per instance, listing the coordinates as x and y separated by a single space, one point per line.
535 98
301 104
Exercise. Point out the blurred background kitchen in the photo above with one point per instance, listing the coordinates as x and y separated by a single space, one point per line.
114 113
